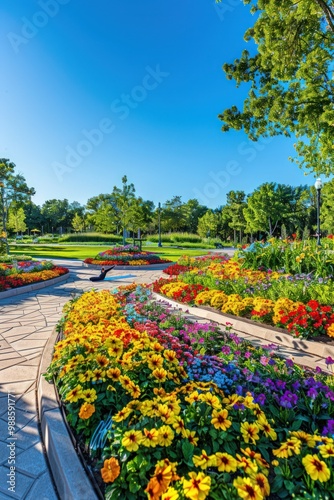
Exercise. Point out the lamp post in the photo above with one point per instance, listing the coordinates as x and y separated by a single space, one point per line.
159 224
318 186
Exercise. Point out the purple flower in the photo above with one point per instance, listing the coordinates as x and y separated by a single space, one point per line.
289 363
329 429
312 393
295 386
226 349
248 354
288 400
264 360
260 399
329 361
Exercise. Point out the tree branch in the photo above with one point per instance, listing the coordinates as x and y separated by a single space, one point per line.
328 13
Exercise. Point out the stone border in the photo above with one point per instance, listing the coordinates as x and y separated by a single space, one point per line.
33 286
260 331
68 473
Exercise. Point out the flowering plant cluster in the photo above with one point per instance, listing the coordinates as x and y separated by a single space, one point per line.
292 256
27 272
137 381
127 255
266 296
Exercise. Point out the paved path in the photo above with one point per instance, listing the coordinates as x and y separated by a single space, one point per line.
26 322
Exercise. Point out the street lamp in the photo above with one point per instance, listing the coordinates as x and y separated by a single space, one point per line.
159 224
318 186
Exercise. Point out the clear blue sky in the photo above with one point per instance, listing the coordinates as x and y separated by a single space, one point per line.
91 91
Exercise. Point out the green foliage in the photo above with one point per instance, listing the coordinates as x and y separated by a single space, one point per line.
289 78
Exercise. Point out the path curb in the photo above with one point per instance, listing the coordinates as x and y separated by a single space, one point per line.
68 473
152 267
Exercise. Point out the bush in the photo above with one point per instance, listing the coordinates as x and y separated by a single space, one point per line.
90 237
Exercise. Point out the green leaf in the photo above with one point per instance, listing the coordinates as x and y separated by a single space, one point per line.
187 450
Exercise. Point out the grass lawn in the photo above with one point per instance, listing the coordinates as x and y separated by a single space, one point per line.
82 252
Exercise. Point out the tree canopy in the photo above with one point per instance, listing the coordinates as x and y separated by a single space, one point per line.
290 79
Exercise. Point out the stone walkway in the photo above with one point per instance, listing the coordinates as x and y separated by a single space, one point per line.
26 323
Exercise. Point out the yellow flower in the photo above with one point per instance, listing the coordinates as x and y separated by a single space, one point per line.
193 397
288 448
225 462
246 464
86 411
219 420
132 439
166 435
150 438
98 375
261 480
114 374
247 488
160 374
210 399
326 450
190 436
316 469
155 361
268 431
122 414
204 460
197 487
250 432
111 470
178 424
75 394
89 395
171 494
304 437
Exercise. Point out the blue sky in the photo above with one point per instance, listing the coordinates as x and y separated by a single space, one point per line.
91 91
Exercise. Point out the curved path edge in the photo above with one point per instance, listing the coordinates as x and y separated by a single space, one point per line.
313 353
68 473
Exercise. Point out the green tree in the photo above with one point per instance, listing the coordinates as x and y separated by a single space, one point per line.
289 79
208 225
123 200
13 189
327 207
267 207
173 214
233 213
78 223
16 219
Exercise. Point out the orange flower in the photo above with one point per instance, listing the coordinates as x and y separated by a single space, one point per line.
86 411
111 470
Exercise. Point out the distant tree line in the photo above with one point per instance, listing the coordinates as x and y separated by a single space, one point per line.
270 210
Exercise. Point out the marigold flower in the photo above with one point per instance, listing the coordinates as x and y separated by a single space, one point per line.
225 462
190 436
111 470
122 414
86 411
204 460
247 488
326 450
316 469
160 374
250 432
159 483
287 449
220 421
197 487
304 437
150 438
75 394
268 431
155 361
114 374
132 439
166 435
89 395
261 480
170 494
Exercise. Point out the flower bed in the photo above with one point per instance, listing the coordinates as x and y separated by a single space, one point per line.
128 255
21 273
301 304
168 408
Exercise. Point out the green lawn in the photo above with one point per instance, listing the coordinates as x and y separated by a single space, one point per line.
84 251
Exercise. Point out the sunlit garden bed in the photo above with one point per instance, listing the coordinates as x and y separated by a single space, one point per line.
300 303
128 255
18 273
165 408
